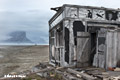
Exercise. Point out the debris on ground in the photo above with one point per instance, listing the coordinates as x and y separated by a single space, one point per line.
117 69
44 71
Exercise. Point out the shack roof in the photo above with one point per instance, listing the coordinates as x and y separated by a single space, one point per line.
61 8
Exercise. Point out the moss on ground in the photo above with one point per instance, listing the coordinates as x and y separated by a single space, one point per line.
34 77
53 76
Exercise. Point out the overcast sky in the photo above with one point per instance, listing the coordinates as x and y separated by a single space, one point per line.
32 16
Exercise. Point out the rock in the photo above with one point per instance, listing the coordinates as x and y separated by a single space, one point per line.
45 74
41 66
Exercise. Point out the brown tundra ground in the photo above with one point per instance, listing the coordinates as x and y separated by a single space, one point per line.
21 58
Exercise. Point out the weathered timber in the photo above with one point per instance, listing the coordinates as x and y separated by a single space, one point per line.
84 75
43 70
83 49
111 55
89 36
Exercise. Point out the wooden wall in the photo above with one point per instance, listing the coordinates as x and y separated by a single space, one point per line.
113 48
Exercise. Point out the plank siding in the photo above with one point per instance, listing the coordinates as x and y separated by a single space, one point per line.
111 54
83 49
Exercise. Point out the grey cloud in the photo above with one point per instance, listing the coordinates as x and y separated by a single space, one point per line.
32 15
33 23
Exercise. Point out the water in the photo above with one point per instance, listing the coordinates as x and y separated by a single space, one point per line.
21 44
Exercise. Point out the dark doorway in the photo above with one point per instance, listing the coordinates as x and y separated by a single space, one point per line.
67 45
77 26
93 47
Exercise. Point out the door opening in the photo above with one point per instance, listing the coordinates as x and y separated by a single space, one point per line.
93 47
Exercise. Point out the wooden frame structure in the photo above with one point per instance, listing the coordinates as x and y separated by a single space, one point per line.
84 36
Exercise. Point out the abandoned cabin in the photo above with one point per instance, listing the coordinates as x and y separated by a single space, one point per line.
82 36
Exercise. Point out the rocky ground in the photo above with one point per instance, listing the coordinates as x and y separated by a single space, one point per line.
14 59
32 61
44 71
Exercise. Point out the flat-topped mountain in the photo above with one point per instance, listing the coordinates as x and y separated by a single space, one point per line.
18 37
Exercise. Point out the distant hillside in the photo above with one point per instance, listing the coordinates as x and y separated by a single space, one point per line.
18 37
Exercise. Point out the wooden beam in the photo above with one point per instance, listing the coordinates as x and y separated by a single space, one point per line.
84 75
103 25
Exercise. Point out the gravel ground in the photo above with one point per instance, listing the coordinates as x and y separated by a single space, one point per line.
14 59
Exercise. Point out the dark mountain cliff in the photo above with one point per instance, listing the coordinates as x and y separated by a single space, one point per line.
18 37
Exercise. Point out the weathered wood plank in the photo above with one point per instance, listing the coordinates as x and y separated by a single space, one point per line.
83 48
118 49
111 54
84 75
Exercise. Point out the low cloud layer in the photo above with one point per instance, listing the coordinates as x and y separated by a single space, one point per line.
35 25
32 16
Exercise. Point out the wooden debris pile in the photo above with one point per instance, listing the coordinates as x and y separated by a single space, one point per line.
45 71
75 73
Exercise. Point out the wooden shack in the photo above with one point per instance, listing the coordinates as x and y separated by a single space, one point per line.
83 36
